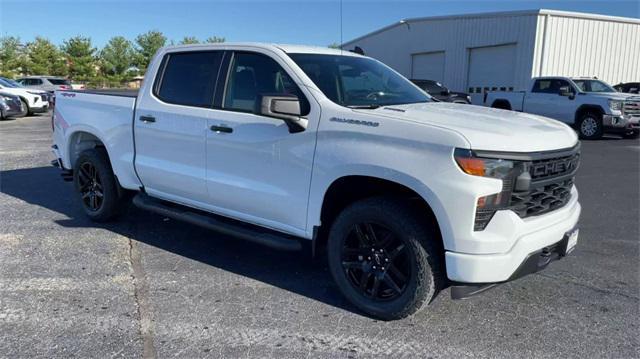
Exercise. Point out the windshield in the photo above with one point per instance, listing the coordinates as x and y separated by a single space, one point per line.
593 86
358 82
8 83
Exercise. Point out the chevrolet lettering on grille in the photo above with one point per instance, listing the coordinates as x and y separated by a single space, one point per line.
554 168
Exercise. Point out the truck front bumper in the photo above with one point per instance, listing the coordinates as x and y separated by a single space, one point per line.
534 241
613 123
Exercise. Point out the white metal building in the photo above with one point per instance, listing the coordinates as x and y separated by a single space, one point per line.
502 51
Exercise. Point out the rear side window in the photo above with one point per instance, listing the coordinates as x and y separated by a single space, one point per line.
190 78
60 82
253 75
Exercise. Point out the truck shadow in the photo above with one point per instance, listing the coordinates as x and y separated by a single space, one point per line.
293 271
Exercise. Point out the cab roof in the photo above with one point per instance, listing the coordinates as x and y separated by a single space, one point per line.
290 49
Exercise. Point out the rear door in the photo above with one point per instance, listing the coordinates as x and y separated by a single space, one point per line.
538 101
171 126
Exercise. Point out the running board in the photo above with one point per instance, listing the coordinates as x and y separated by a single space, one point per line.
219 224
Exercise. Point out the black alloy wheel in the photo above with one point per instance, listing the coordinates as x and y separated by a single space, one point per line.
376 261
91 189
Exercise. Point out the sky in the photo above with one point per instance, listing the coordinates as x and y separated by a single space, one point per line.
295 22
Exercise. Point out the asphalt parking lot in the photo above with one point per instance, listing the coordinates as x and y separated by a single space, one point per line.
149 286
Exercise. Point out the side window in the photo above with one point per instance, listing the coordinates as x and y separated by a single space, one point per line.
252 75
542 86
37 82
189 78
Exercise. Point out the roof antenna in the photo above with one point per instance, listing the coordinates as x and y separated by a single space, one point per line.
340 27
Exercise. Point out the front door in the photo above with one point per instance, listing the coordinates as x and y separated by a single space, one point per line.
257 170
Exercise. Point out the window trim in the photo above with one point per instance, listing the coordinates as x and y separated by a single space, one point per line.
157 83
228 75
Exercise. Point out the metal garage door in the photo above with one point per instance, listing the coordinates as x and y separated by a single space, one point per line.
428 66
491 68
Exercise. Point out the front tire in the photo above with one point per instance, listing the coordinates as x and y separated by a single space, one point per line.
590 126
97 186
384 258
25 108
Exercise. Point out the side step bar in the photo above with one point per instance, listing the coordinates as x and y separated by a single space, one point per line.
220 224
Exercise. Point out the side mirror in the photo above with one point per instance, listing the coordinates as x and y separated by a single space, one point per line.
286 108
566 91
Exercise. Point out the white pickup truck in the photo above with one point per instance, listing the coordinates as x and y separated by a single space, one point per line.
286 145
591 105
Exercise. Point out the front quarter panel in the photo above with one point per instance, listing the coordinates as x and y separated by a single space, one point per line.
417 156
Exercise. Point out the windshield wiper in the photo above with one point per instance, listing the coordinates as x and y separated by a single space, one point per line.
365 107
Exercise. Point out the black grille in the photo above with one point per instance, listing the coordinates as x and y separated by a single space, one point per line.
541 199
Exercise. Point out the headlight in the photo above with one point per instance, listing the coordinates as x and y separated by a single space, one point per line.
615 105
6 98
509 172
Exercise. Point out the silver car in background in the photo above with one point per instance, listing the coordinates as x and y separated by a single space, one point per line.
45 83
10 106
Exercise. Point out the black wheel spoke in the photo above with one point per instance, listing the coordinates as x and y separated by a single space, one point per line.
376 286
84 173
364 280
370 234
393 270
385 240
352 265
362 237
396 251
391 283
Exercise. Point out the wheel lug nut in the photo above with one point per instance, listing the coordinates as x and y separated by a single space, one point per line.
369 258
360 258
386 259
382 268
374 267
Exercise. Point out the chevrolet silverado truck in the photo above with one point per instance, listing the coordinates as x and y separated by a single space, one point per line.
303 148
592 106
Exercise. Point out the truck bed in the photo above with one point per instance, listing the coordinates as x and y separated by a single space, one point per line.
81 115
109 92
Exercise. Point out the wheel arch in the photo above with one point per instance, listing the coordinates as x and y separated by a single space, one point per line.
347 189
80 141
501 104
588 108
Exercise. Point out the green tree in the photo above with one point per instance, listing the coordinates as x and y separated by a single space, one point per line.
80 56
116 59
334 45
214 39
10 56
146 46
44 58
189 40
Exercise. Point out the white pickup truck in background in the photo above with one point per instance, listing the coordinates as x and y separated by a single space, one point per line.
591 105
284 145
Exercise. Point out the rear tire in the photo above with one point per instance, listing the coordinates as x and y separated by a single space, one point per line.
384 258
589 126
98 189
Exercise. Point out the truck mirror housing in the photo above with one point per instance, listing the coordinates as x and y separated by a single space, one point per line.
565 91
286 108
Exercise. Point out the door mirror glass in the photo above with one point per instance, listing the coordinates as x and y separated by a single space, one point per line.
565 91
286 108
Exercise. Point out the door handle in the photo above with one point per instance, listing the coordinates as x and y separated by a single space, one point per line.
147 119
223 129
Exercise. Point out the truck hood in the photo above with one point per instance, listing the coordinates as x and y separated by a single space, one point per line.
614 95
21 91
488 128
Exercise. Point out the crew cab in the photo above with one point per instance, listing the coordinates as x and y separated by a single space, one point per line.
592 106
300 147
